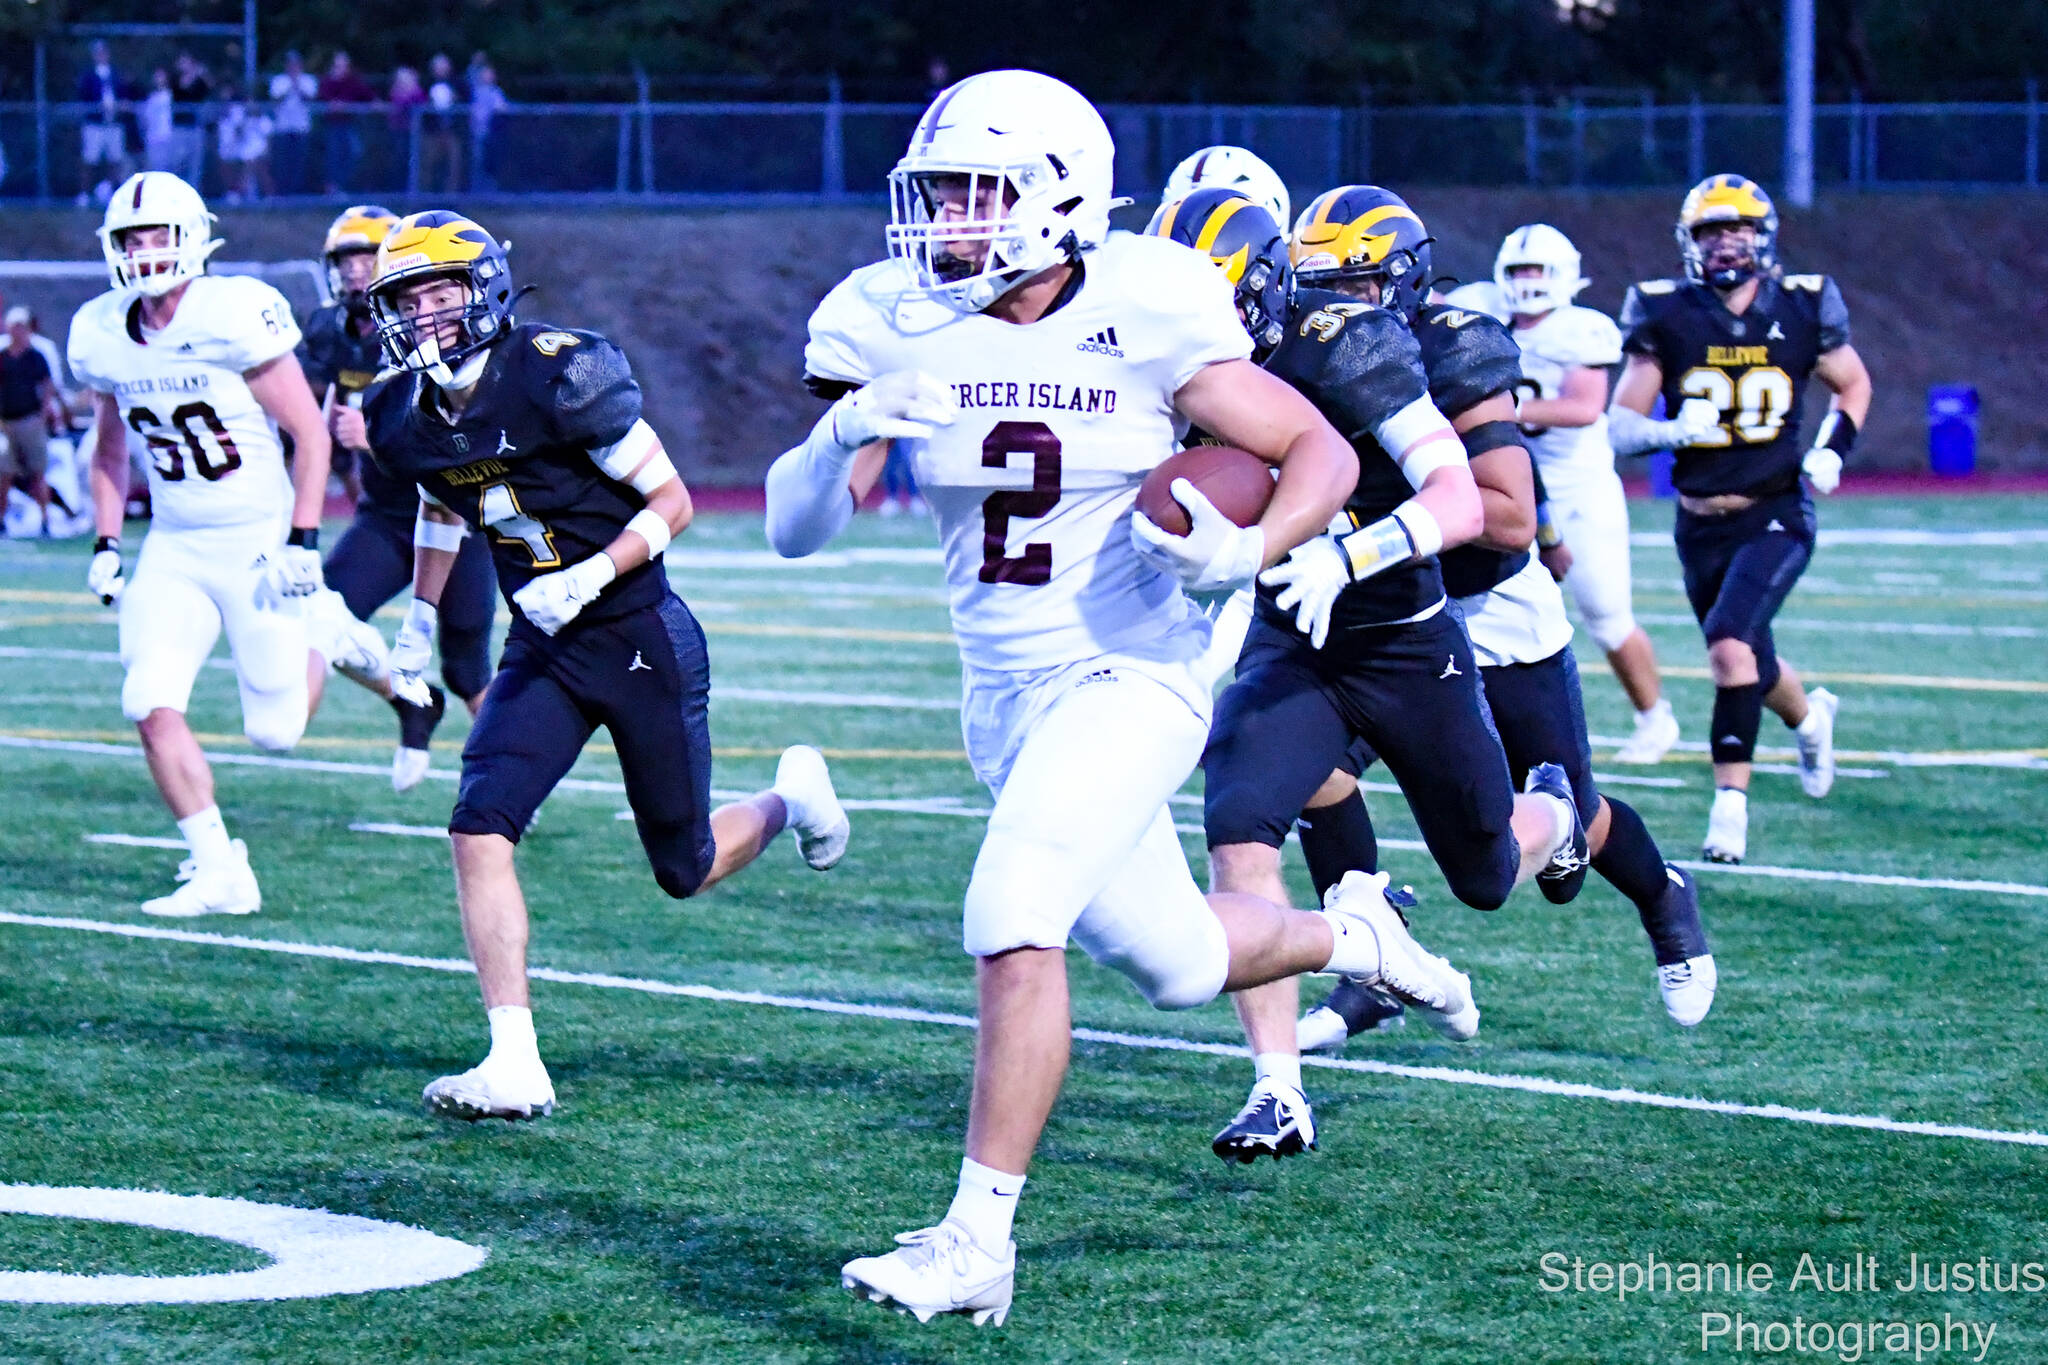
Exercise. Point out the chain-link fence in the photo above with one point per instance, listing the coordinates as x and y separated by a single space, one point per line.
57 152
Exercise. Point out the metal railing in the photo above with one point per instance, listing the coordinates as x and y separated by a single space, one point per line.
833 150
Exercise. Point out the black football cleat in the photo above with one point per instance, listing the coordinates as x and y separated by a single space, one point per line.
1276 1121
1565 874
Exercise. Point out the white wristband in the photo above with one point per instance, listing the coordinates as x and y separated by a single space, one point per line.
1422 528
436 535
652 527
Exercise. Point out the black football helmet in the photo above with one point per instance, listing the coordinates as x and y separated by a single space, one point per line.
1246 245
1362 232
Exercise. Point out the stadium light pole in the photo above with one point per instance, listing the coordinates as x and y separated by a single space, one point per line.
1799 103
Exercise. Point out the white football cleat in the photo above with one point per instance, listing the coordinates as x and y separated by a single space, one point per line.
1407 971
805 786
229 889
355 649
1727 827
937 1270
1656 731
1688 989
1816 736
493 1090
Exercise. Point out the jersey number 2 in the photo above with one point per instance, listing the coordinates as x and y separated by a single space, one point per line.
1036 439
167 451
499 510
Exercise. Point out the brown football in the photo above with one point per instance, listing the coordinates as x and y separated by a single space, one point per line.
1238 482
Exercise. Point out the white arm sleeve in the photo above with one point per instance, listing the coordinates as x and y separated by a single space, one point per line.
1421 440
808 499
1631 433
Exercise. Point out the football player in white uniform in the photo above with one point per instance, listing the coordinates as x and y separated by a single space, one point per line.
201 367
1231 168
1038 365
1583 527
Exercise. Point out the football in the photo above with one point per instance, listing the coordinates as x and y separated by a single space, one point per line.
1237 481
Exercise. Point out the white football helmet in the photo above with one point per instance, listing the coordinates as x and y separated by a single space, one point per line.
1538 244
157 199
1023 144
1231 168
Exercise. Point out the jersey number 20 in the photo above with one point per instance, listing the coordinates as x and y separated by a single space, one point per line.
1036 439
1759 401
169 443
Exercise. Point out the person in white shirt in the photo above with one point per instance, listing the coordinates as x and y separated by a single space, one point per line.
202 368
1566 353
1038 366
292 92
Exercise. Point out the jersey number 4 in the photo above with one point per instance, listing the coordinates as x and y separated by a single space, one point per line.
1754 405
499 510
1036 439
169 443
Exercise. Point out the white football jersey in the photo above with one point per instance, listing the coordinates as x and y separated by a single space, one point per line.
214 454
1521 621
1568 337
1059 423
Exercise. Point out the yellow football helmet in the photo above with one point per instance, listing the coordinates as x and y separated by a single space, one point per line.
1364 232
1727 199
433 245
360 228
1246 244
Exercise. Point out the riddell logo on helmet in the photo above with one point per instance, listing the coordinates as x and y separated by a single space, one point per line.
408 261
1102 343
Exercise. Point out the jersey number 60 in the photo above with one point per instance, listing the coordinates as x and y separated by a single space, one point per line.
167 451
1036 439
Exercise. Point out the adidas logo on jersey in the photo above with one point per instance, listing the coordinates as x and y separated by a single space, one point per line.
1102 343
1100 675
185 348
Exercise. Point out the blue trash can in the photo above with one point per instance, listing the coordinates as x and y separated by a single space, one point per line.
1952 430
1661 461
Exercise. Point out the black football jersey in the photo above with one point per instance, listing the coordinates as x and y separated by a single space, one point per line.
1469 357
1359 365
517 462
340 348
1753 366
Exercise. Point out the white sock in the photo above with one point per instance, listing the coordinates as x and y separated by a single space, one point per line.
1561 819
1354 951
206 834
795 813
1654 710
1732 798
512 1037
986 1204
1281 1067
1811 723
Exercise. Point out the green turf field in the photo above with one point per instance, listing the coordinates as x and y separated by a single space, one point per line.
715 1159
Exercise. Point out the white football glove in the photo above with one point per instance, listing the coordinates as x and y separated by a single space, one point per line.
412 652
1823 468
552 600
290 575
899 406
1310 579
1698 418
1216 552
103 576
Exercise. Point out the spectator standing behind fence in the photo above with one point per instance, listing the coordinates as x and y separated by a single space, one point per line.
159 133
102 136
191 89
406 98
255 152
29 409
292 91
343 91
440 146
227 146
486 103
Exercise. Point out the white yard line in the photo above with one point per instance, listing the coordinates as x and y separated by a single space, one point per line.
945 806
1535 1085
137 841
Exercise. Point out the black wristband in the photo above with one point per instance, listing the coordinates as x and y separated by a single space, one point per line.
106 543
1839 431
305 537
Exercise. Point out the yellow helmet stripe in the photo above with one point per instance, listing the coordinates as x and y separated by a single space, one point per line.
1172 212
1324 203
1213 229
